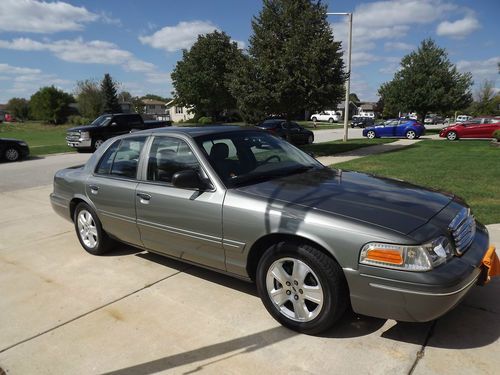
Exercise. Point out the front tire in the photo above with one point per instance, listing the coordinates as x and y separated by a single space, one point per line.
371 134
98 143
301 287
452 136
330 120
310 140
89 231
12 154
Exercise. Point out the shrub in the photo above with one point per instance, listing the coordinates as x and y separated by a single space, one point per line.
496 134
205 120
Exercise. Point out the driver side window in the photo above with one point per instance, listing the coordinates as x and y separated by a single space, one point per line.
169 156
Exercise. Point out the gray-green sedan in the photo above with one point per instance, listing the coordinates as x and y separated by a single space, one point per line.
246 203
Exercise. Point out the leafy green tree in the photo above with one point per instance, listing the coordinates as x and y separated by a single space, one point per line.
50 104
353 97
137 104
124 97
156 97
90 98
19 108
486 102
199 78
293 61
427 82
109 89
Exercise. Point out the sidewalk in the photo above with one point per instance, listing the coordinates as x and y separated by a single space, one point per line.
366 151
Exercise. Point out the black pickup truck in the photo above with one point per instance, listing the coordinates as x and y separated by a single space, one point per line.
90 137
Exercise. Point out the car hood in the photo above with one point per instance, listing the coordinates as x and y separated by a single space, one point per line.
12 140
83 128
388 203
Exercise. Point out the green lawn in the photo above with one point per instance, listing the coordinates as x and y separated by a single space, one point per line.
469 169
42 139
338 147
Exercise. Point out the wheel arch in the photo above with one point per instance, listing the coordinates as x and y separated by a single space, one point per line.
259 247
75 201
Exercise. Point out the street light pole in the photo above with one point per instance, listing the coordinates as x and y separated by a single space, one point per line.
348 80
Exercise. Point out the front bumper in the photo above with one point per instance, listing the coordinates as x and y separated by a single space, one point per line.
428 295
79 143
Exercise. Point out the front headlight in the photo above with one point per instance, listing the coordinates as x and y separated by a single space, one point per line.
407 258
84 136
23 144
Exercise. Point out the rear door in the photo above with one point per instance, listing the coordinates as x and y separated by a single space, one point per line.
183 223
112 188
486 129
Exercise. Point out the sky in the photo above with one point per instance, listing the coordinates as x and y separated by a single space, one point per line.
139 42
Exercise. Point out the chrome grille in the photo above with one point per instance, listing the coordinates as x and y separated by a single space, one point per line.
72 136
463 230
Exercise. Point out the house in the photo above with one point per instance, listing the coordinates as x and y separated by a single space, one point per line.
154 107
353 109
178 113
367 109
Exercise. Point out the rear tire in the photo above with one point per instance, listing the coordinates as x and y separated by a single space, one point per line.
12 154
301 287
89 231
97 143
410 134
314 119
330 120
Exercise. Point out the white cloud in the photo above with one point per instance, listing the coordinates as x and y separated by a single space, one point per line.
459 28
9 69
480 69
42 17
181 36
398 46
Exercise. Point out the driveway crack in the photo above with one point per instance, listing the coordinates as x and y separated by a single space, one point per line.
421 352
92 311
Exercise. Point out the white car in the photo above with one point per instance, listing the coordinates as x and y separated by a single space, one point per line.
463 118
327 115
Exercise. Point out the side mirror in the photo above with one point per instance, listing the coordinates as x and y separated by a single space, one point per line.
188 179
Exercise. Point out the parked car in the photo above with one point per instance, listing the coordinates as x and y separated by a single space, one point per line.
463 118
289 130
328 115
433 119
410 129
91 137
480 127
13 149
362 122
250 205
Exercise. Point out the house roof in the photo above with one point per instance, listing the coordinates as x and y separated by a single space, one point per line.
153 102
3 107
341 105
368 106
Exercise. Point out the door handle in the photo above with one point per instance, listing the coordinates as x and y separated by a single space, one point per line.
144 198
94 189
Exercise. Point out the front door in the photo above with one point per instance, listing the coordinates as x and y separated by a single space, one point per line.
183 223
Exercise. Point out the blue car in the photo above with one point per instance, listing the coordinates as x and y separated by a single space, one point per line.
410 129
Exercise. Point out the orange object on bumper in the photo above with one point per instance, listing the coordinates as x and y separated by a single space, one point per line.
490 265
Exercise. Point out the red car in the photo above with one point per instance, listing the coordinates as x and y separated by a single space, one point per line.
479 127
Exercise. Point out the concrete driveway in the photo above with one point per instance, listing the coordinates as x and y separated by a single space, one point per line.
63 311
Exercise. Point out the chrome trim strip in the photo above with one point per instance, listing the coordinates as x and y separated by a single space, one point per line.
182 232
395 289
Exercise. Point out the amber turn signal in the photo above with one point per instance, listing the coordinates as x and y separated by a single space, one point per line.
385 255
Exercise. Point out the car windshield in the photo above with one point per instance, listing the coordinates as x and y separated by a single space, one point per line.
102 120
246 157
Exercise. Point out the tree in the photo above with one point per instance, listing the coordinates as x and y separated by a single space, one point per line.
486 100
124 97
354 98
156 97
293 61
50 104
108 89
138 105
19 108
200 77
90 98
427 82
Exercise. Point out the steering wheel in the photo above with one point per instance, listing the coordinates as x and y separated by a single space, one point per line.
271 158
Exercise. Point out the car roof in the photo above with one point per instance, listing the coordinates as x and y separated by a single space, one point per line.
197 131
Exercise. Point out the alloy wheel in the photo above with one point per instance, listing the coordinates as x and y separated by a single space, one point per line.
451 136
370 134
87 229
11 154
294 289
410 134
98 143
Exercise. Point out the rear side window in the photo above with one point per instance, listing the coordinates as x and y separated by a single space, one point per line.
122 158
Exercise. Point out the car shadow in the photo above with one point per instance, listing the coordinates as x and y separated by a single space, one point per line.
474 323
